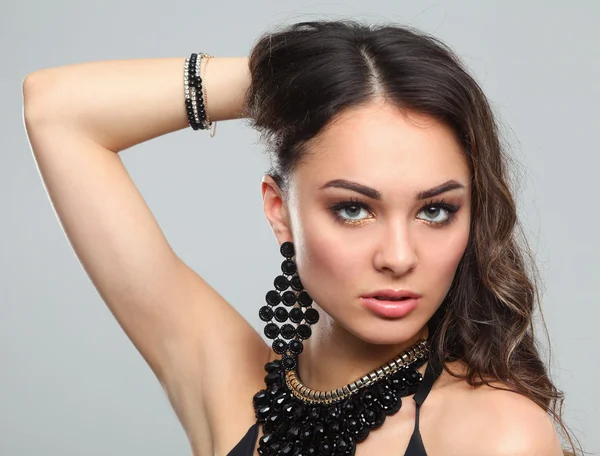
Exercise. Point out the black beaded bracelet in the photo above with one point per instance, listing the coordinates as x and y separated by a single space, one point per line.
194 94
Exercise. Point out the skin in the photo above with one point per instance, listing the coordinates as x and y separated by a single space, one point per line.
392 245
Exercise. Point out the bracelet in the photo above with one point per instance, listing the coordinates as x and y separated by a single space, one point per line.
195 93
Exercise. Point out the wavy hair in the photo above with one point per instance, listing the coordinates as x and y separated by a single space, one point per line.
306 74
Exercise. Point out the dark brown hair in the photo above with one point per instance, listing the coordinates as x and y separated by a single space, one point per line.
306 74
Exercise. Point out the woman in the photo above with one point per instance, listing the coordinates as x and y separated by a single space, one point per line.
389 199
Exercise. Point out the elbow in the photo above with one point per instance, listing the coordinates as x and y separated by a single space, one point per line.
33 95
40 90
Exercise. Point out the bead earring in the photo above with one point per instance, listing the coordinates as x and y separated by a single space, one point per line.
287 339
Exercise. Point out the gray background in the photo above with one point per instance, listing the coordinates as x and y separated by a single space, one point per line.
70 381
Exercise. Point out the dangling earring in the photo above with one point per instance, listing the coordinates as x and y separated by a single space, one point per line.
287 339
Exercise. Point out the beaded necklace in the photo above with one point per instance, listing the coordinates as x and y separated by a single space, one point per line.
300 421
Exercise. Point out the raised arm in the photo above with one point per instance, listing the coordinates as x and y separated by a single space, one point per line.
121 103
78 117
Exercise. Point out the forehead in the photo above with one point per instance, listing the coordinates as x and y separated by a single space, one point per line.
389 149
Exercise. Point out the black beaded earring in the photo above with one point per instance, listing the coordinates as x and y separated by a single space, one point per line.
287 339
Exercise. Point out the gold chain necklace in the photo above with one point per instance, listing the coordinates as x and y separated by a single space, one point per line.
311 396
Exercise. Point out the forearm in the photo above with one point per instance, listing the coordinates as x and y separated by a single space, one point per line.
121 103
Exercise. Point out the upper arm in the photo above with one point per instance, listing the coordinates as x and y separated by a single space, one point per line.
193 340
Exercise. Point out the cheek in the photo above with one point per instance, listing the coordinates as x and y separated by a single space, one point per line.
325 260
438 259
322 254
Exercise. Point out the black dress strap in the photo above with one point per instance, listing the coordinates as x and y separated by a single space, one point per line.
245 447
432 372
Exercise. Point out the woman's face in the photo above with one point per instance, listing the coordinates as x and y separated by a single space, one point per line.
360 222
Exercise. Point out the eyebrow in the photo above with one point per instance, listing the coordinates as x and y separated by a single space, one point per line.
376 195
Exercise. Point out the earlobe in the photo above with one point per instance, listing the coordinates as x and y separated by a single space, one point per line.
275 209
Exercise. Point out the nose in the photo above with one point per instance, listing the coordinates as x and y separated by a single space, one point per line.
395 251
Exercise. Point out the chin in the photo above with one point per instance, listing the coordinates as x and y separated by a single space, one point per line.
391 332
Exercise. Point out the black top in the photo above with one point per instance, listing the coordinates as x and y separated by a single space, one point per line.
415 447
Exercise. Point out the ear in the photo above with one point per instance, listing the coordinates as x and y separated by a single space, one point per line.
276 209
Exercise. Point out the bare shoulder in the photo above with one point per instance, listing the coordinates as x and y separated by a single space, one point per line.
484 420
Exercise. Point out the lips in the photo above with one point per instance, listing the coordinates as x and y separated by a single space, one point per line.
391 303
392 295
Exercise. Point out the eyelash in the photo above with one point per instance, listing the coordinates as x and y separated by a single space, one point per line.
353 202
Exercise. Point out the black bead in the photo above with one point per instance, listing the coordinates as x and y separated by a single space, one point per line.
362 434
319 431
281 314
393 407
275 389
296 347
306 434
380 417
368 396
266 439
263 412
291 410
274 418
387 398
413 377
287 450
289 362
351 407
304 332
299 451
273 298
373 416
304 299
271 330
343 445
279 346
282 400
314 413
354 424
325 448
396 383
288 331
266 313
296 283
287 249
272 378
311 316
296 315
272 366
274 448
334 428
288 267
333 414
260 399
281 283
289 298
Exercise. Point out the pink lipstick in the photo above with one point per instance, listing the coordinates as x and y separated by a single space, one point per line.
391 303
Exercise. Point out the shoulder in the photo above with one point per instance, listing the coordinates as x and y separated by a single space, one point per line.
516 425
497 422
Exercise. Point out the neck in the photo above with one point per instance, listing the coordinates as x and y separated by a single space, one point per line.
334 357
